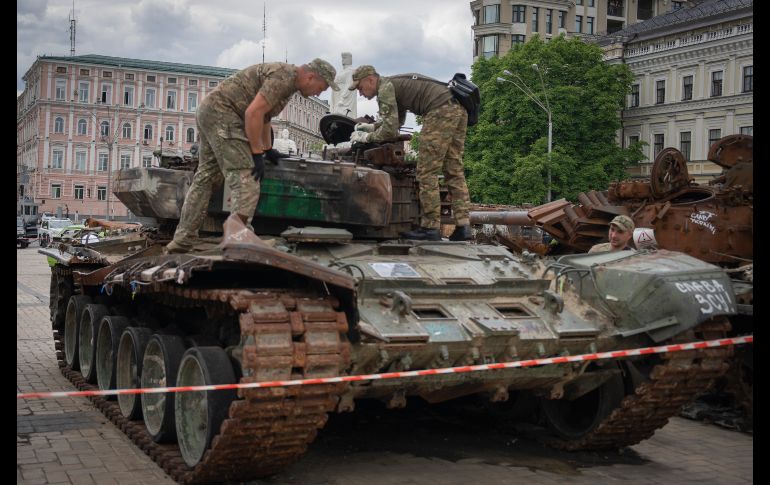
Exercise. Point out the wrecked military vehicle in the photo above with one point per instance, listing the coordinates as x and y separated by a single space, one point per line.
329 289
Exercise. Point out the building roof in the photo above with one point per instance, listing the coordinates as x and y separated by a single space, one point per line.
700 11
124 62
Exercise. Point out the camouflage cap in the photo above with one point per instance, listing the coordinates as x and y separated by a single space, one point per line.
360 73
624 223
325 70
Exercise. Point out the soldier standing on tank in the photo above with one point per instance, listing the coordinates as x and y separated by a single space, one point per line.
234 128
442 141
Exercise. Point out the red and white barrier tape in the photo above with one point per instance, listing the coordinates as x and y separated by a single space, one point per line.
416 373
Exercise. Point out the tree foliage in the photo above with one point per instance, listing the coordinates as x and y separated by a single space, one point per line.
506 153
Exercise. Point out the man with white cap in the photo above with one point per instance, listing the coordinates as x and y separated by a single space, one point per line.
620 233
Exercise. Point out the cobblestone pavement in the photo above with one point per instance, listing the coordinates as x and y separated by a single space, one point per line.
69 441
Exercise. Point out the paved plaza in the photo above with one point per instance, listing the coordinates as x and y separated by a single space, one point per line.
63 441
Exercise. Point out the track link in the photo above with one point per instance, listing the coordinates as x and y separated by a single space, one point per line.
671 385
283 336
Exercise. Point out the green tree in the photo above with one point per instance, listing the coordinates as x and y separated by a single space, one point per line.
506 153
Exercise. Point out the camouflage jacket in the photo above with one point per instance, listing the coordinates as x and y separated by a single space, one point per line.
405 92
274 80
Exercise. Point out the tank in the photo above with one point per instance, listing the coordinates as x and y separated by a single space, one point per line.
326 288
713 222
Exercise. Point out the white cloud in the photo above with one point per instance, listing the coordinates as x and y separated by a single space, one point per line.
241 55
432 37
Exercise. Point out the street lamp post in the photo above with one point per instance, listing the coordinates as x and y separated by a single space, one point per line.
110 140
519 83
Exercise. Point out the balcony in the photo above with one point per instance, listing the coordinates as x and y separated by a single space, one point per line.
689 40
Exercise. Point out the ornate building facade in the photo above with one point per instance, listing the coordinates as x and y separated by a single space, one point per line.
80 119
500 24
694 81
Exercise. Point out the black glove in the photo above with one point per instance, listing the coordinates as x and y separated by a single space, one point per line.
259 166
274 155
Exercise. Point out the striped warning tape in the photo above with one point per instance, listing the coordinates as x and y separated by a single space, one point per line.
395 375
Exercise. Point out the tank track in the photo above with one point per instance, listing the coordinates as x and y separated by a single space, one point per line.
266 429
671 385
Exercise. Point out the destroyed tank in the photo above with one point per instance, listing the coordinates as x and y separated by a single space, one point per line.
713 222
328 289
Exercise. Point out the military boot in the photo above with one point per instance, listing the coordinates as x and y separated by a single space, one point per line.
175 248
423 234
461 233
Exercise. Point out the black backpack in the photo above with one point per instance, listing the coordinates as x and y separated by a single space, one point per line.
467 94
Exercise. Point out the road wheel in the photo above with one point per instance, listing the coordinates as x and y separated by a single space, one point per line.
159 369
129 368
74 313
110 330
199 414
574 419
88 333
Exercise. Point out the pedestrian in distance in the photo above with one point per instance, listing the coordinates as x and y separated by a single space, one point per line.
234 127
442 141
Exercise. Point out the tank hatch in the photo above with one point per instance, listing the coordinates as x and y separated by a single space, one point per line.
317 234
336 128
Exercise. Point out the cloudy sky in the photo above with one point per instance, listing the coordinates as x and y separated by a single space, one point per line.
432 37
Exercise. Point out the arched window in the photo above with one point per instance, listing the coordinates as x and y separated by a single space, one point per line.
127 130
148 132
190 135
82 127
169 133
58 125
104 128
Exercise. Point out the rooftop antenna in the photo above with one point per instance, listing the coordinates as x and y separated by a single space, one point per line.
72 29
264 29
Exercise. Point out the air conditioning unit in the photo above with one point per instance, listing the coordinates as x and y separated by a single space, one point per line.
144 142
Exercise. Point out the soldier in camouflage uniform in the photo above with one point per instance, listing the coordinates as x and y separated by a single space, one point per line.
620 233
234 127
442 141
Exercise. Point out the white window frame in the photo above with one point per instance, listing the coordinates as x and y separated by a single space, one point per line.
126 130
101 189
82 126
188 137
61 90
171 99
169 129
147 136
192 101
57 158
721 83
81 188
125 160
58 124
84 91
146 161
56 190
128 95
103 161
149 98
104 131
106 93
80 161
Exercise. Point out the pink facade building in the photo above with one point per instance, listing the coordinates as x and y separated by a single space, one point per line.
80 119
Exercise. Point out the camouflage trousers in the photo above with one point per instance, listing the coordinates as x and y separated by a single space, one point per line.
442 141
224 156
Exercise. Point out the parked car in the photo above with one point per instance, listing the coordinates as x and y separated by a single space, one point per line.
51 230
21 233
